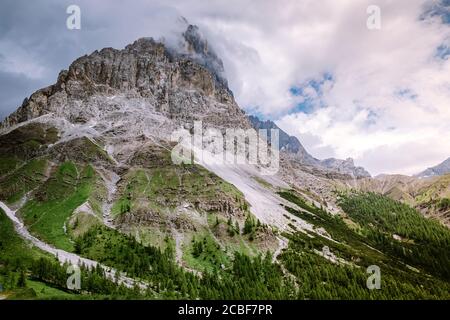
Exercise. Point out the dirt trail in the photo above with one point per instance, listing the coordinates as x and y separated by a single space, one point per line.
282 244
64 256
110 179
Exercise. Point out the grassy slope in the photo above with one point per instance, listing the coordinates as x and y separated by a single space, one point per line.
45 291
438 188
20 167
322 279
167 186
155 182
55 200
8 164
12 246
25 178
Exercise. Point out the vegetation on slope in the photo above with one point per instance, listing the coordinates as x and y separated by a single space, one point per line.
28 273
220 242
13 249
27 141
55 200
27 177
318 278
168 187
245 278
204 253
157 198
401 231
354 251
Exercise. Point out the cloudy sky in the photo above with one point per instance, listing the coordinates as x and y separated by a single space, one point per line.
381 96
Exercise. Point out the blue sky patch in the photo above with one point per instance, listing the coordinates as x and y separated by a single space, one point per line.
440 8
309 104
406 94
443 51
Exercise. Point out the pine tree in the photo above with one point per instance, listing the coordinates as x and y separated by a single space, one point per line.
237 227
248 225
22 281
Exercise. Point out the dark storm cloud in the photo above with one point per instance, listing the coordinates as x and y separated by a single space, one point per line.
14 87
26 32
35 43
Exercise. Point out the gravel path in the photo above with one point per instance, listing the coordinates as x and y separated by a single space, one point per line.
64 256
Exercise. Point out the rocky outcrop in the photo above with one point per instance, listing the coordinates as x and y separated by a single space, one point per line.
346 166
287 143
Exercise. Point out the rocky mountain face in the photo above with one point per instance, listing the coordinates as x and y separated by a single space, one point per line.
292 145
171 84
102 135
346 166
438 170
287 143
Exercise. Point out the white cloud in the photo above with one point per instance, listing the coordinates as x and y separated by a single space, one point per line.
388 103
16 60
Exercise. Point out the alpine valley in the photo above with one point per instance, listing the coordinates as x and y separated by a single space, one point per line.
87 178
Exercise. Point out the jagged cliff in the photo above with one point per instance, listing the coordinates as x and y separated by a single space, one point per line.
173 85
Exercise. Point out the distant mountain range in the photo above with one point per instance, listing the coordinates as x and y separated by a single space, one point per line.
438 170
293 146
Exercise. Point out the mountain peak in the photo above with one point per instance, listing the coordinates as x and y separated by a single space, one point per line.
201 51
167 77
438 170
287 143
142 45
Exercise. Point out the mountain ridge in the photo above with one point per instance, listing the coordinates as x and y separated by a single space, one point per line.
438 170
292 145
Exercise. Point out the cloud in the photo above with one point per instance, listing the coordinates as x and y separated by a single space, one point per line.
380 96
389 103
35 43
14 87
387 95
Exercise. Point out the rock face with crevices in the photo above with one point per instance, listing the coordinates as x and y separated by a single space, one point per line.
173 85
